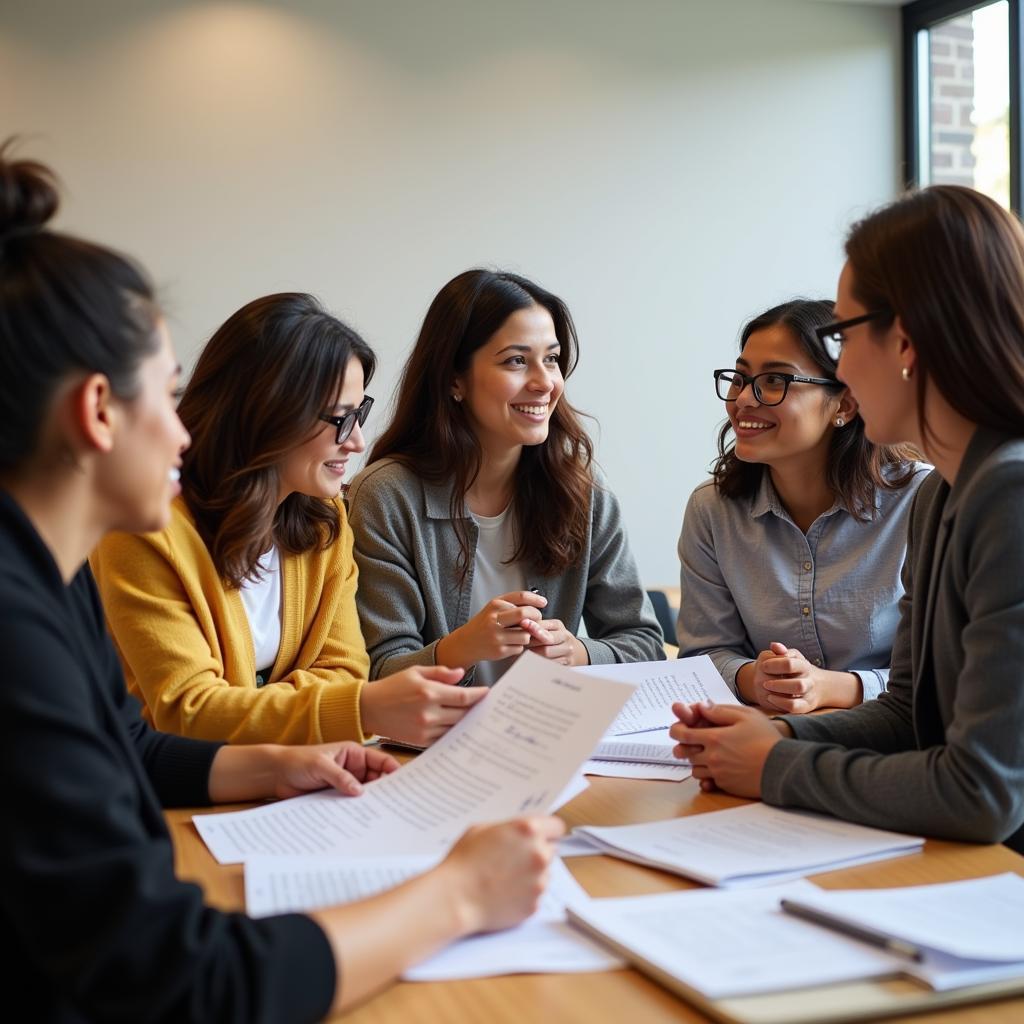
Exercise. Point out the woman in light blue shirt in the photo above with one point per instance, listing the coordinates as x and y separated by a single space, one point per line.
791 554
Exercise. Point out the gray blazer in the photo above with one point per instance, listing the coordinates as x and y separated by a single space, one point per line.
941 753
409 595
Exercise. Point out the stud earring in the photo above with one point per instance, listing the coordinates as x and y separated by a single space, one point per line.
840 422
458 398
905 373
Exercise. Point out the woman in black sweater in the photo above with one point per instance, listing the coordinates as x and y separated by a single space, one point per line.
98 925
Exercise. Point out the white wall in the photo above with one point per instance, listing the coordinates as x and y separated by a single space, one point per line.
670 167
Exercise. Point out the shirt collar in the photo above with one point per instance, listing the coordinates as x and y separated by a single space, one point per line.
767 500
27 542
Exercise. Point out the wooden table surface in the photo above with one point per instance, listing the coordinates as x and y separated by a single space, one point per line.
625 995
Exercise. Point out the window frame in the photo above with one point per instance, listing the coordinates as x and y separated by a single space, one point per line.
921 15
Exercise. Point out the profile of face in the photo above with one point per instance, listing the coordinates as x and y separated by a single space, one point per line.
513 383
871 365
139 475
800 425
317 466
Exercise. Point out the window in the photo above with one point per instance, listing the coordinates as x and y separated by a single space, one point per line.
962 85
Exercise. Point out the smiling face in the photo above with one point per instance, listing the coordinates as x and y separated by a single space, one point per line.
513 383
139 477
801 426
317 466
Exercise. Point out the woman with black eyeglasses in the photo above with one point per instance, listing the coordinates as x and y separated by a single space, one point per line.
790 555
238 620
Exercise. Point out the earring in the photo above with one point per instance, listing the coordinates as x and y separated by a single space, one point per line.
840 422
458 398
905 373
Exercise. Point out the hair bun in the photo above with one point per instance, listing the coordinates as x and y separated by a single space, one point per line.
28 195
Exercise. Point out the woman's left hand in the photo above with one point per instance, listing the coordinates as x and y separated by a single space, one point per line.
727 745
343 766
550 639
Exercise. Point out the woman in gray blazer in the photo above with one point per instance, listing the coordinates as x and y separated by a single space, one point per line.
930 339
480 526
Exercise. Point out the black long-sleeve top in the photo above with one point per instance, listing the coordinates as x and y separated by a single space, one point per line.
97 925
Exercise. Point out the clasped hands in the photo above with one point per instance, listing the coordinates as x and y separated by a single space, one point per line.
726 744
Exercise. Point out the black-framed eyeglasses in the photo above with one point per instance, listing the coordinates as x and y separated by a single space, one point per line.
347 423
769 388
831 335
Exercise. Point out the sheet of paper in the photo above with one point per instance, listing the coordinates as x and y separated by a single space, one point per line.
576 785
514 753
542 944
677 772
578 846
651 748
659 684
724 943
751 845
976 919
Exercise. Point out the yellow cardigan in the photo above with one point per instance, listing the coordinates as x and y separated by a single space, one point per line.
183 638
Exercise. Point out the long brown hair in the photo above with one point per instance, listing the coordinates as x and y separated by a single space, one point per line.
856 469
949 262
256 393
431 435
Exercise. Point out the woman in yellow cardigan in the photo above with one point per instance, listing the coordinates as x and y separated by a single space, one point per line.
238 620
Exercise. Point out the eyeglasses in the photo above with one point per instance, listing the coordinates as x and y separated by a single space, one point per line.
831 335
769 388
347 423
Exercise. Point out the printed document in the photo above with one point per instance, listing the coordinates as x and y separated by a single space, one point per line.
544 943
514 753
750 845
658 685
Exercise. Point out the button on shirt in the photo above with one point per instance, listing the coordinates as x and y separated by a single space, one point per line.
750 576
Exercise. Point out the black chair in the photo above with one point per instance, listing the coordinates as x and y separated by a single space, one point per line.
665 615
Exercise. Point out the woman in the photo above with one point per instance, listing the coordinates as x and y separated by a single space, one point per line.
98 926
790 556
930 341
238 620
480 529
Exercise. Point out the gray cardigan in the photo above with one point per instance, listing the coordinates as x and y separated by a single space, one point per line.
409 594
942 752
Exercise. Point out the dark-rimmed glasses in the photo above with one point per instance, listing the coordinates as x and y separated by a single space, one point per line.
346 423
769 388
831 335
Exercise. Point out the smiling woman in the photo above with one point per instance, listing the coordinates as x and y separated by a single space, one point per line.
790 555
480 529
238 621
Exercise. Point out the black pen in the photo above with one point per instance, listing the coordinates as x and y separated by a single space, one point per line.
854 931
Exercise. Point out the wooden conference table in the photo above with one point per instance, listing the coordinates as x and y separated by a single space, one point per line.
624 995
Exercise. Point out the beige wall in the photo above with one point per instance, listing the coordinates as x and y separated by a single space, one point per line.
669 167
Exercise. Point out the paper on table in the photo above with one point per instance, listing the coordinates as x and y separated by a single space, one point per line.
648 748
969 931
751 845
514 753
544 943
677 772
659 685
723 943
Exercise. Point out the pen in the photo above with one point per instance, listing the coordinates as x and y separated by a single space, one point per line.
854 931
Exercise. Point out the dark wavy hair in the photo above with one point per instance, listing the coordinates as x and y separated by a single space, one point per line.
256 393
949 262
67 306
856 468
431 435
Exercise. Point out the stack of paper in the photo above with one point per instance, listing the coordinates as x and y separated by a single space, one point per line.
637 744
751 845
724 944
514 753
544 943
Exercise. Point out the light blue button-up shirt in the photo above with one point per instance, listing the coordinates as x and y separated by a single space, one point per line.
749 576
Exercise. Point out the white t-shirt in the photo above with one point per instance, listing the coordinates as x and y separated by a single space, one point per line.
492 578
262 601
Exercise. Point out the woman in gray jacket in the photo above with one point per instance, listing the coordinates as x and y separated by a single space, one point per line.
930 340
480 528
